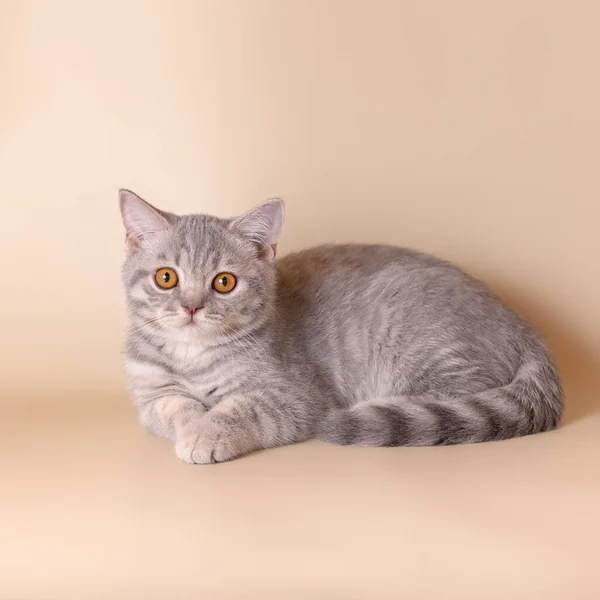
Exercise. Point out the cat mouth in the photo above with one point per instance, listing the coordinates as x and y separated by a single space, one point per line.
199 325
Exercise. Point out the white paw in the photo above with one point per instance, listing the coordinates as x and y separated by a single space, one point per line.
203 444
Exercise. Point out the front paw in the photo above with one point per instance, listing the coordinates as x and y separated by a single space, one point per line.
205 443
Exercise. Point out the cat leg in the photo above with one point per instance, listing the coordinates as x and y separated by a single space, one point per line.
168 415
242 424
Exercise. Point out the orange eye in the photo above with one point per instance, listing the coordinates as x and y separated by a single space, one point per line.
224 283
166 279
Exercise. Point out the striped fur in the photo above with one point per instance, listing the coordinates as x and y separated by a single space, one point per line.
527 405
366 345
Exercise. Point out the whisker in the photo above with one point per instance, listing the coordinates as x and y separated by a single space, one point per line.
228 345
241 335
131 330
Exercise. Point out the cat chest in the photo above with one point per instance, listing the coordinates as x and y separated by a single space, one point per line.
213 380
213 386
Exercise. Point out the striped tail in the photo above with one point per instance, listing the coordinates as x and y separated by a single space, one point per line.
531 403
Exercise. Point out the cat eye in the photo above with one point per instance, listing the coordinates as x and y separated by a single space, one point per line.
166 278
224 283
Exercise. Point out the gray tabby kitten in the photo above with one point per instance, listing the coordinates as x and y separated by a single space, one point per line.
230 351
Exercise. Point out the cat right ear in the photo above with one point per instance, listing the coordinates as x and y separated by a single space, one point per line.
141 220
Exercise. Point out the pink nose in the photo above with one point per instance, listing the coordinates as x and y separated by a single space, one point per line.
191 310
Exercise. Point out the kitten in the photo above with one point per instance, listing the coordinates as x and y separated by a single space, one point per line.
230 351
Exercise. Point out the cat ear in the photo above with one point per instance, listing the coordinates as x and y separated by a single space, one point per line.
262 225
141 219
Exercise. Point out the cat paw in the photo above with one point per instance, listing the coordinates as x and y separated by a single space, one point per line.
203 445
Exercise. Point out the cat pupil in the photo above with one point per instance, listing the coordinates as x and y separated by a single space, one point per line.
224 281
166 277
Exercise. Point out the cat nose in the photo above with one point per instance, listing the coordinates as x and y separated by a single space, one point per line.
191 310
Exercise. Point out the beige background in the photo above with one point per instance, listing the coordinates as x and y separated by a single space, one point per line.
467 128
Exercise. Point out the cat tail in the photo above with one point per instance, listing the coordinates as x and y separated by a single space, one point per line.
531 403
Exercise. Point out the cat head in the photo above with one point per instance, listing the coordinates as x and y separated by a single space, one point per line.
198 278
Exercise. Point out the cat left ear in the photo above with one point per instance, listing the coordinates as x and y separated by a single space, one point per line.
141 220
262 225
